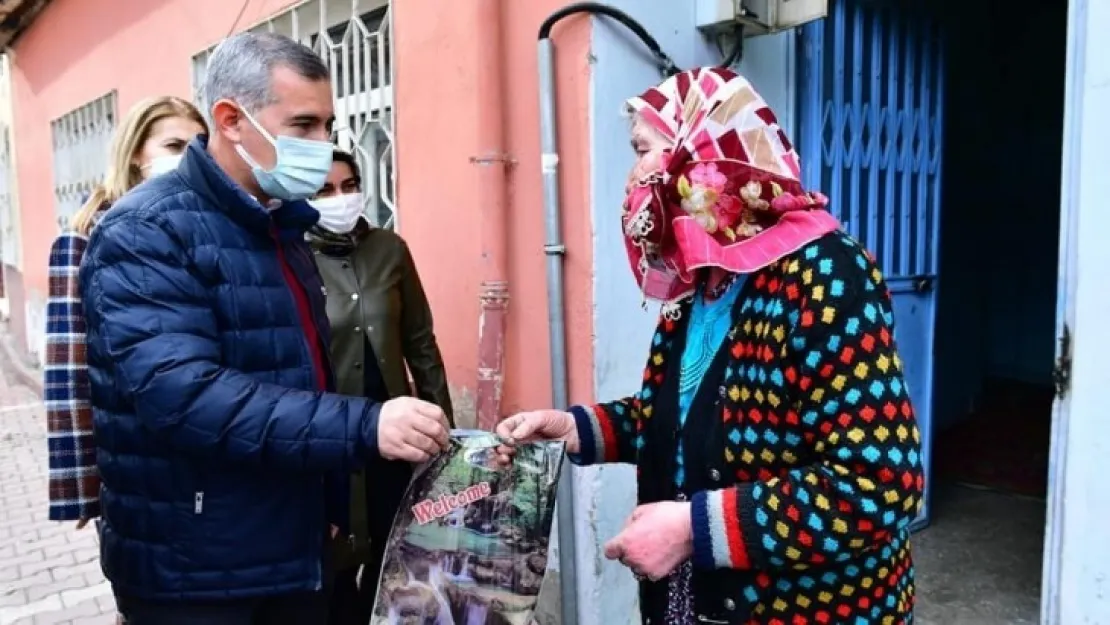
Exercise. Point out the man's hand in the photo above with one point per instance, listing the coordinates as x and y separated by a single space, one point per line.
411 429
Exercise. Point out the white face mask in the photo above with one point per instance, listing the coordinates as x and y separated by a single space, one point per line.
161 164
339 213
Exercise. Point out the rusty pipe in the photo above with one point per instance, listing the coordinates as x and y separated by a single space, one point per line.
491 163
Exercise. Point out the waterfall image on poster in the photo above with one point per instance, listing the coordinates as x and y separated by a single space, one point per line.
469 544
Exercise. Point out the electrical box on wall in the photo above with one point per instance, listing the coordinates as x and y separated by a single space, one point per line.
757 17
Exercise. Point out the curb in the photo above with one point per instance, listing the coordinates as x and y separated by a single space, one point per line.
13 363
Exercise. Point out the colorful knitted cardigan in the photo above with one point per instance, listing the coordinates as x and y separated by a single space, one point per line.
820 446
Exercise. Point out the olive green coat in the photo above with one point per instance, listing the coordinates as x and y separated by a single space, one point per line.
373 291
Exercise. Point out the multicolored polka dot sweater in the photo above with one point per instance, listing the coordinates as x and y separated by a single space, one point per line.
820 448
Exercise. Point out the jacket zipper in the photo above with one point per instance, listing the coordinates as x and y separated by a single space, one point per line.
309 260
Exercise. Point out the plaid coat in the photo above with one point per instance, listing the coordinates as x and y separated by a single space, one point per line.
74 482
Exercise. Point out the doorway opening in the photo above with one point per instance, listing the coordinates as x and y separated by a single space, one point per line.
980 559
935 128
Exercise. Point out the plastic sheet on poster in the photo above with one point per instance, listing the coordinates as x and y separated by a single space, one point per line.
470 541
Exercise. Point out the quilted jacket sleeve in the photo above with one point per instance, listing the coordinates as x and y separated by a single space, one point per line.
151 315
866 480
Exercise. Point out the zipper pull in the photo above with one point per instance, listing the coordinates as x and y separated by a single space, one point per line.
198 502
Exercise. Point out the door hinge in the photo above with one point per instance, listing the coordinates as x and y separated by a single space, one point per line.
923 284
1061 370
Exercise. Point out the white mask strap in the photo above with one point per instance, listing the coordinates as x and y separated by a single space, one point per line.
247 158
257 126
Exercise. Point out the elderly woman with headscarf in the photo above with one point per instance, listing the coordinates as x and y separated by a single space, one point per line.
779 462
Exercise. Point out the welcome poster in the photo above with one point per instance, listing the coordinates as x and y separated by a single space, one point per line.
469 545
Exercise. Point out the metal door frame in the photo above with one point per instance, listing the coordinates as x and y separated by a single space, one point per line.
1076 89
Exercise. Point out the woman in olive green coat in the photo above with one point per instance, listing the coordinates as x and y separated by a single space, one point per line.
381 328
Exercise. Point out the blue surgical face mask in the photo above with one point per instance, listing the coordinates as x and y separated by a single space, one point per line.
300 169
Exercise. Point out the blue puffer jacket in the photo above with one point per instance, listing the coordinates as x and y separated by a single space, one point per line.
212 444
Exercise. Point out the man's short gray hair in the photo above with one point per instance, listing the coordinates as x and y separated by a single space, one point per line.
240 68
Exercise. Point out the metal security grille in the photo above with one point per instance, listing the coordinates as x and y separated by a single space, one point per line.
353 37
872 124
9 254
871 130
81 140
9 221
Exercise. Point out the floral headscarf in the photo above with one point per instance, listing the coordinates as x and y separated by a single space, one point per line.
728 194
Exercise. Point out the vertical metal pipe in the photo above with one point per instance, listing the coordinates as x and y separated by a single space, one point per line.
556 319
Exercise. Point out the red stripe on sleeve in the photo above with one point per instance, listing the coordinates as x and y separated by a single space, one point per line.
730 510
610 439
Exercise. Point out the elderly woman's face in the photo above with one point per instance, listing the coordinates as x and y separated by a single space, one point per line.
649 144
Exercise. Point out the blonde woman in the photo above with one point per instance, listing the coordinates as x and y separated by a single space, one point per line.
148 143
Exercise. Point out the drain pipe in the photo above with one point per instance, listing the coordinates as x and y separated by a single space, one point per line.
555 251
492 164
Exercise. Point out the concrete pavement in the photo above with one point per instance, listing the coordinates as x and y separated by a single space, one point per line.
49 572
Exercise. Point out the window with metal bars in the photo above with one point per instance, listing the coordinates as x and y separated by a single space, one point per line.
9 237
353 39
81 140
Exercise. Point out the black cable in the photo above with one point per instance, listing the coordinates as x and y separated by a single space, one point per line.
737 53
663 61
242 10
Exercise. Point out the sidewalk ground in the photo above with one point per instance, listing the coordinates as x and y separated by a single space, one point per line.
49 572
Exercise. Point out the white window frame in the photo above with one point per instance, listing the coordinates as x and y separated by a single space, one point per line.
80 142
358 31
10 252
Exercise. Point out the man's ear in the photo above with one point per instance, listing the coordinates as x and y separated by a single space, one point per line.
225 120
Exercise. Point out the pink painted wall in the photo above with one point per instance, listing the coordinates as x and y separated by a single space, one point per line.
78 50
74 53
436 68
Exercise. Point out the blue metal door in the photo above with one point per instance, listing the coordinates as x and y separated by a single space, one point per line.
871 113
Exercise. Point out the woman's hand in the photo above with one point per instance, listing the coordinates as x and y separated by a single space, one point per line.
538 425
656 539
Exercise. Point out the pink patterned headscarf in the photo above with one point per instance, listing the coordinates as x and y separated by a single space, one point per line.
728 194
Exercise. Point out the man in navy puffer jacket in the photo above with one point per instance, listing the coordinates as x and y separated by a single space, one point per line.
207 340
